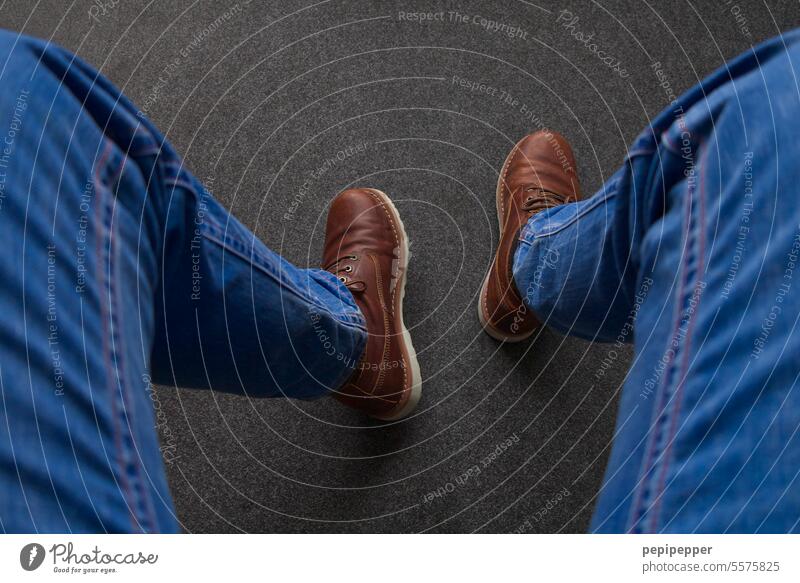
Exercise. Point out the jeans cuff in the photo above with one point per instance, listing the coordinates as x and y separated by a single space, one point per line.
359 346
348 311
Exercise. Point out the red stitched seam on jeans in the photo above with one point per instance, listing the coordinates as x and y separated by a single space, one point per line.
139 484
679 391
651 442
104 315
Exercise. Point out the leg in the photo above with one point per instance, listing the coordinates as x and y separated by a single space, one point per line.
585 290
105 239
696 239
232 315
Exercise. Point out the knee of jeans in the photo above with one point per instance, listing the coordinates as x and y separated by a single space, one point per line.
17 52
20 70
7 39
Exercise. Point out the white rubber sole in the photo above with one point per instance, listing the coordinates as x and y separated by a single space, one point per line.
487 327
416 376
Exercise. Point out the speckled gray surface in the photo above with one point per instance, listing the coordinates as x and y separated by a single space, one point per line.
257 95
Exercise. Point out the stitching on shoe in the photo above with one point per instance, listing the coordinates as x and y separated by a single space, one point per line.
499 194
383 205
387 336
377 199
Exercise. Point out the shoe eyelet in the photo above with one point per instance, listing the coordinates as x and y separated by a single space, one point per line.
354 257
343 279
349 268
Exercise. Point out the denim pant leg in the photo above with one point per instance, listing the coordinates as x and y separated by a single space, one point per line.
696 240
112 255
574 265
234 316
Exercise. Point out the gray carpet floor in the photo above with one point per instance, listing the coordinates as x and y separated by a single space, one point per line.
258 95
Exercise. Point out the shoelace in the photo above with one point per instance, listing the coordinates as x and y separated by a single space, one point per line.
354 285
542 199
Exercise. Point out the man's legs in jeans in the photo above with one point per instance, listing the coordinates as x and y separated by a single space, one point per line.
697 239
111 252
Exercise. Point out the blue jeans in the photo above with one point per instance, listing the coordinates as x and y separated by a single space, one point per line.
691 251
118 270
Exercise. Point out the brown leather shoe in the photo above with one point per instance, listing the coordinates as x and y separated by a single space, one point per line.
539 173
367 249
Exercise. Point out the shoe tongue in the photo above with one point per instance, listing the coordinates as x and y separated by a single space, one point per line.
545 173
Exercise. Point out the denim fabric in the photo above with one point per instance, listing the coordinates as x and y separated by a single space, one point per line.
690 251
119 269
